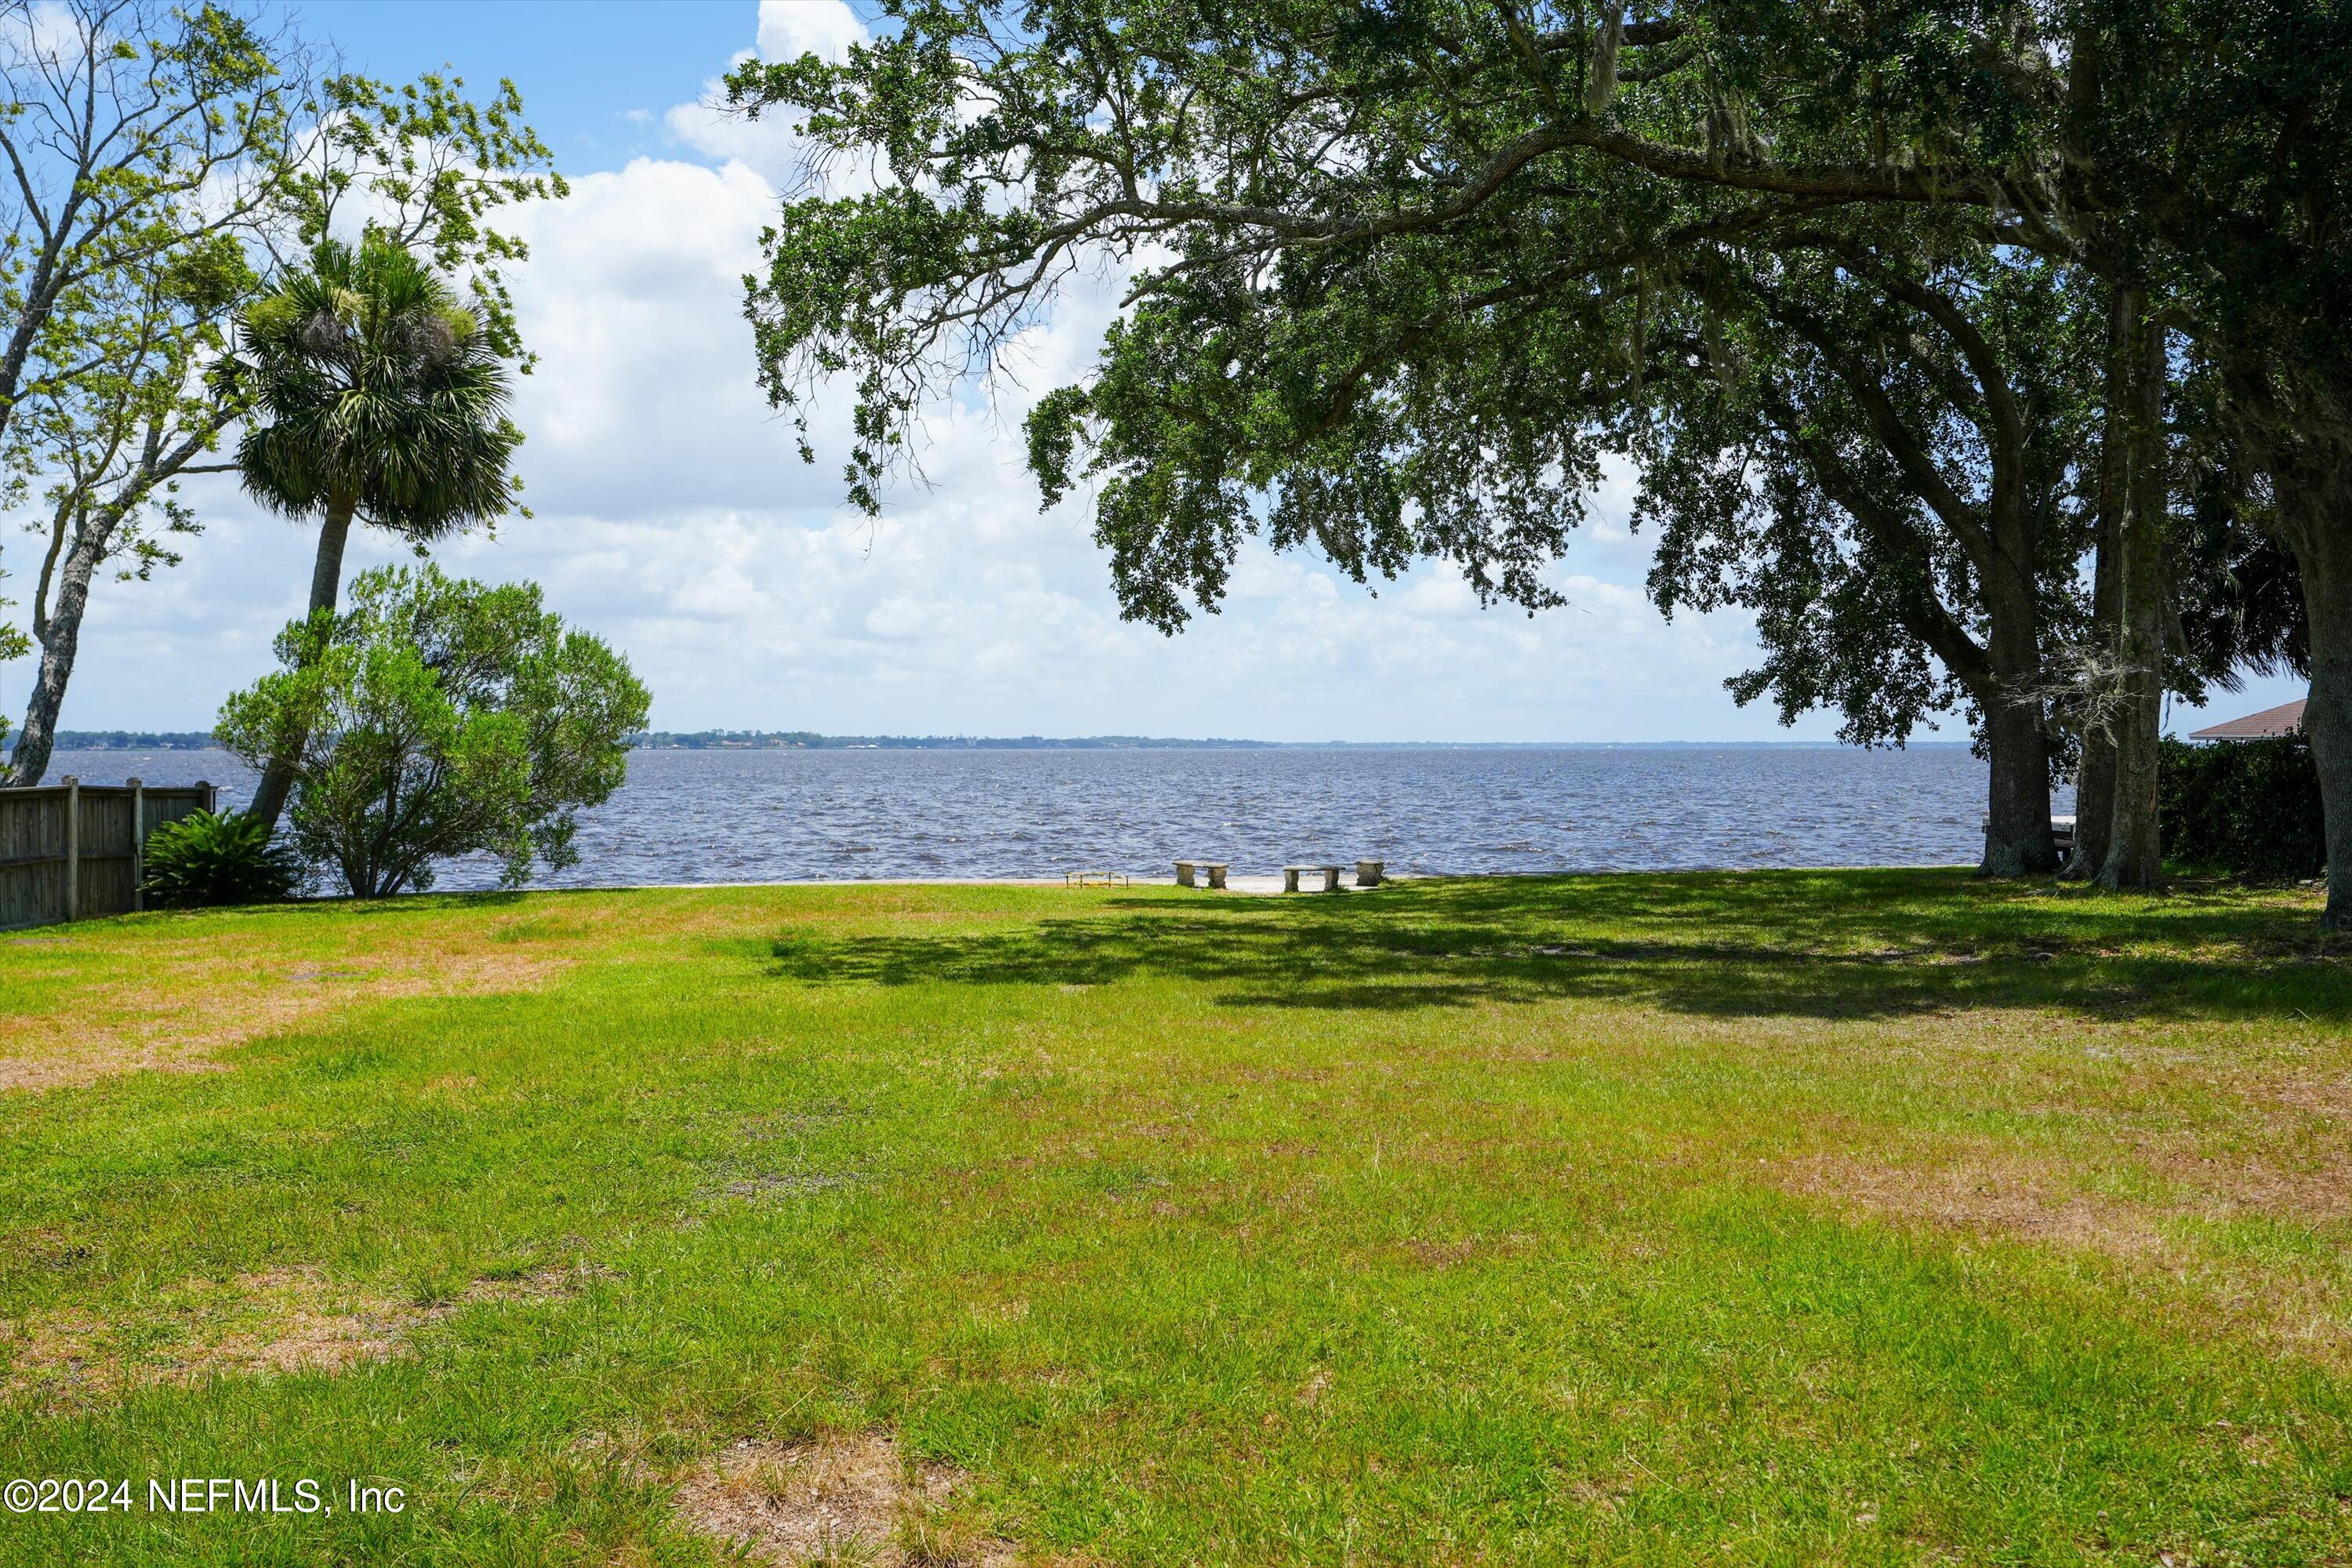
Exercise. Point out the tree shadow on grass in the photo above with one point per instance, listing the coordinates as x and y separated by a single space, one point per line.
1842 945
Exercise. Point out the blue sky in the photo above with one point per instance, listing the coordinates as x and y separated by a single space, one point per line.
673 519
596 74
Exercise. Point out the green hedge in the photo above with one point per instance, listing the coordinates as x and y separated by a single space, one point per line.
2250 808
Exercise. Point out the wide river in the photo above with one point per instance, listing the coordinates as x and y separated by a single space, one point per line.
756 816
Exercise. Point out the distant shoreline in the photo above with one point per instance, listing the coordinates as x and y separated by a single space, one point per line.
801 741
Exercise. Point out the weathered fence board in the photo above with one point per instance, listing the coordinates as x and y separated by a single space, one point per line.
72 851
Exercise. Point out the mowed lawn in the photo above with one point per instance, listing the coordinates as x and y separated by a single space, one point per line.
1851 1217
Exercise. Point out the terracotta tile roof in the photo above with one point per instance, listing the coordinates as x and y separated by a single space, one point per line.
2283 719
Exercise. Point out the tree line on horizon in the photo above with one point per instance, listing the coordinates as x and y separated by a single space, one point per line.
1993 354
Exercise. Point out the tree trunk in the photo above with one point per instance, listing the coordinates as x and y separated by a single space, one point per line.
2094 808
2094 773
2016 807
2324 559
326 590
2134 845
59 632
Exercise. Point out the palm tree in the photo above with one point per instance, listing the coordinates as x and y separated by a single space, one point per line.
377 396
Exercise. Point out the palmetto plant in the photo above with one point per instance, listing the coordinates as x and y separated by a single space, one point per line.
378 397
211 859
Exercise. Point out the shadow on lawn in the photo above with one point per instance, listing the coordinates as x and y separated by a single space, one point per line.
1848 945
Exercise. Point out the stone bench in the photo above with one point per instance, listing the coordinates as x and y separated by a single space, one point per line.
1215 869
1330 875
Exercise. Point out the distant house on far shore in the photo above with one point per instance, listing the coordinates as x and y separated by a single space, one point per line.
2283 719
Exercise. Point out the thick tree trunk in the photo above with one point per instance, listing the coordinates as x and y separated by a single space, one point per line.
2324 558
2094 808
325 591
2135 856
59 632
2094 773
2016 807
2017 838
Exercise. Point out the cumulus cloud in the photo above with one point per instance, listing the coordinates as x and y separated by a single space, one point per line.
791 28
673 516
772 144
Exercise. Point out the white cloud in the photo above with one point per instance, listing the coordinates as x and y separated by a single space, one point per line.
791 28
772 144
674 518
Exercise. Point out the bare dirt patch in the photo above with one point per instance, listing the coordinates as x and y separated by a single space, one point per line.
175 1015
2300 1305
283 1320
280 1322
1983 1192
851 1498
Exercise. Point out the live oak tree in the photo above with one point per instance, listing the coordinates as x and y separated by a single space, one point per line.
1352 324
1322 202
1897 461
2193 157
1393 289
1880 454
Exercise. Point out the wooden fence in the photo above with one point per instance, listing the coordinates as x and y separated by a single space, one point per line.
69 851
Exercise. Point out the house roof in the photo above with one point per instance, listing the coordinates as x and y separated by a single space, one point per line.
2283 719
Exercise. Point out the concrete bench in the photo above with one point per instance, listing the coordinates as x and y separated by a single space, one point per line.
1215 869
1330 875
1368 873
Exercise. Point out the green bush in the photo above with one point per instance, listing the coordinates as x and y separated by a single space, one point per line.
212 857
438 717
2248 807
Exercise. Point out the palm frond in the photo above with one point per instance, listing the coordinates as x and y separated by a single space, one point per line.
375 383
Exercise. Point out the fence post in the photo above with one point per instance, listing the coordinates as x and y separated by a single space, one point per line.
138 845
73 845
210 794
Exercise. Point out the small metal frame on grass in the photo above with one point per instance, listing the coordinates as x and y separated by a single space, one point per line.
1093 879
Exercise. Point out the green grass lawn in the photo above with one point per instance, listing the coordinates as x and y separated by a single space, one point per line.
1856 1217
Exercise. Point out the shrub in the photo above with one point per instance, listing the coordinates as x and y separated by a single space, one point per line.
2248 807
211 857
438 717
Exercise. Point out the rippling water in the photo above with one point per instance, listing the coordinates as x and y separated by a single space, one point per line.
743 816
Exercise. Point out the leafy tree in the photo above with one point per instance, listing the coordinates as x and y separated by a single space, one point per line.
1412 290
13 645
1882 460
1329 208
427 169
141 144
378 396
438 717
164 163
114 439
2194 155
132 130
